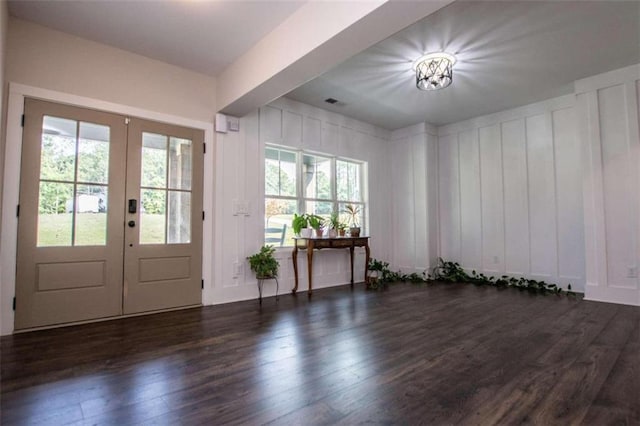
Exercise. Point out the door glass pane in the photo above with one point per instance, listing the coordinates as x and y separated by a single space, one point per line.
152 216
179 223
179 163
154 160
91 215
55 214
58 153
93 153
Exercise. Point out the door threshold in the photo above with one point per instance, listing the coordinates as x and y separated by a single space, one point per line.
95 320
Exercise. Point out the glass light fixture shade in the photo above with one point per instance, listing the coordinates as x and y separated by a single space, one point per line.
434 71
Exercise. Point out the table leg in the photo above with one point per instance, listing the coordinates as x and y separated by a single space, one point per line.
351 249
310 267
366 264
294 256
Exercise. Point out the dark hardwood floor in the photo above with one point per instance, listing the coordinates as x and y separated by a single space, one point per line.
439 354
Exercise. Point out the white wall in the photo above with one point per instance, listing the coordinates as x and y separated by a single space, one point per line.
241 177
41 57
414 198
608 126
510 193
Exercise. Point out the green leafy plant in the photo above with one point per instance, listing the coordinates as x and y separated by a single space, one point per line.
452 272
447 271
334 221
380 274
299 222
353 212
315 221
263 263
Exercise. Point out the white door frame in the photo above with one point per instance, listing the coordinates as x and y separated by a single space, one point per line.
11 185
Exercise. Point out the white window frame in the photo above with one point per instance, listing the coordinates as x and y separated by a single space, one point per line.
301 200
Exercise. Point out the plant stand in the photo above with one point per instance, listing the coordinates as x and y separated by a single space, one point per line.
261 283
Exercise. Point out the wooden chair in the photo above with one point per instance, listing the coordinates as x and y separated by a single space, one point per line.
275 235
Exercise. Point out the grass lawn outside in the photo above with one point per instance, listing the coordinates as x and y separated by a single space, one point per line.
91 229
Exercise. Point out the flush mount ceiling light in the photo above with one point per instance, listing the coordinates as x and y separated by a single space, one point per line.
434 70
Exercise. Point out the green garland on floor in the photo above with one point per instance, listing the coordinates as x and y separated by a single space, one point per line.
452 272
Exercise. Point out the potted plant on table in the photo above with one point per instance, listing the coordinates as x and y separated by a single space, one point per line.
353 212
316 222
342 229
300 225
334 225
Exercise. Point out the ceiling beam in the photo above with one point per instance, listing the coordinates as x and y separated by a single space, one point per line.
317 37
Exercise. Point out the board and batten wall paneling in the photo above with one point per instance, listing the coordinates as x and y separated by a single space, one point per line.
420 212
542 197
410 207
470 200
271 124
516 197
608 120
414 207
404 199
500 178
241 178
292 129
570 219
618 189
432 197
449 197
492 200
312 133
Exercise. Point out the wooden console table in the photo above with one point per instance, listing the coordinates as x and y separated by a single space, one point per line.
317 243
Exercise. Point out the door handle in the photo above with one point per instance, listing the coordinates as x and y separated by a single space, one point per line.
132 224
133 206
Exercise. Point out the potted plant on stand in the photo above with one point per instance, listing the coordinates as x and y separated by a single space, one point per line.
316 223
265 266
353 211
377 274
300 225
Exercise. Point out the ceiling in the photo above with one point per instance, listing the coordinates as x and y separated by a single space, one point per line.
203 36
508 54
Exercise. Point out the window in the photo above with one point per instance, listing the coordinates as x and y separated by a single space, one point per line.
302 182
74 178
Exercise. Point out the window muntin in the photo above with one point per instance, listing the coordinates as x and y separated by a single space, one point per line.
280 172
303 182
165 190
348 181
316 177
73 187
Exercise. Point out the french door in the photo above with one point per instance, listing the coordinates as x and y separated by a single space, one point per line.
110 216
